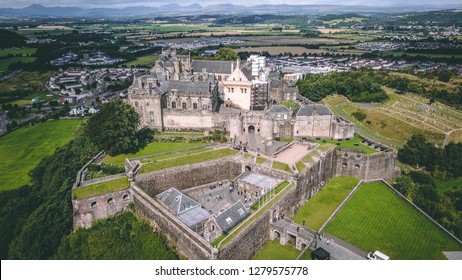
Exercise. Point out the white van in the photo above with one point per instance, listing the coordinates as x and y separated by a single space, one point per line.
377 255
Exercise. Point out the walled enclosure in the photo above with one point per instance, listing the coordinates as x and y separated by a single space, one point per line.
248 242
185 177
98 207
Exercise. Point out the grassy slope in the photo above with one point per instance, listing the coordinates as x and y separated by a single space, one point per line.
275 251
22 150
189 159
150 149
377 219
318 209
100 188
350 144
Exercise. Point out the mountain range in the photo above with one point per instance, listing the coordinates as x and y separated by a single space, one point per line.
37 10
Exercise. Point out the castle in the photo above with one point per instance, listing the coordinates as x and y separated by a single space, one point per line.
232 96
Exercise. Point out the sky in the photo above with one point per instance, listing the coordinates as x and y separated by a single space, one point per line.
127 3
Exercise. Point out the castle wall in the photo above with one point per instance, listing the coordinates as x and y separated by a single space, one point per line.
313 126
342 130
185 177
149 108
367 167
313 178
88 210
187 242
181 119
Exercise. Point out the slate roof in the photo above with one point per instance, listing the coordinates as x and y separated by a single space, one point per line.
279 109
188 210
247 73
186 86
211 66
231 216
311 109
265 182
177 201
194 216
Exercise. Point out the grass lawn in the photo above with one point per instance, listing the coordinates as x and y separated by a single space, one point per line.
267 196
306 255
22 150
188 159
282 166
261 160
100 188
150 149
319 208
290 104
175 154
288 140
147 61
377 219
275 251
18 51
300 166
350 144
4 63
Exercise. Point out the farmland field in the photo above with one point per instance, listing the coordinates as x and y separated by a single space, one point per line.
23 149
318 209
147 61
6 62
376 218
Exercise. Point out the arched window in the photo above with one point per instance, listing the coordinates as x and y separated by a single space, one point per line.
110 201
126 197
93 204
173 105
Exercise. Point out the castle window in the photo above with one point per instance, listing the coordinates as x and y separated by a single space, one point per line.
126 197
229 220
232 89
147 103
242 90
245 90
93 204
213 227
136 104
219 78
173 105
194 105
110 201
183 105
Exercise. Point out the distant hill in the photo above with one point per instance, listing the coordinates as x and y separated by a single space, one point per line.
11 39
172 9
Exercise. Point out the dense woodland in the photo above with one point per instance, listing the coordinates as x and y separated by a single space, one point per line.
364 85
35 218
421 186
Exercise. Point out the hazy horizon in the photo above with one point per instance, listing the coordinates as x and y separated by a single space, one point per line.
130 3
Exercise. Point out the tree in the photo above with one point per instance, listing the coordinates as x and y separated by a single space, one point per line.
113 128
226 54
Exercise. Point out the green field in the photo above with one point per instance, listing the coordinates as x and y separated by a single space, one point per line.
300 166
448 185
319 208
100 188
146 61
272 250
350 144
25 81
375 218
188 159
6 62
15 52
22 150
151 149
260 160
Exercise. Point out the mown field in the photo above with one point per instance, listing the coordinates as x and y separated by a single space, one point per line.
6 62
272 250
146 61
376 218
318 209
32 82
22 150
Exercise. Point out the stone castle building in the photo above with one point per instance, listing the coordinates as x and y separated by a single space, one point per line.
237 97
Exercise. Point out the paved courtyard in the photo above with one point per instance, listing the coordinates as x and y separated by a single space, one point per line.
293 154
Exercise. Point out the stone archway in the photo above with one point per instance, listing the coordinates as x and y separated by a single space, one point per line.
276 235
251 129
